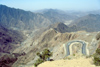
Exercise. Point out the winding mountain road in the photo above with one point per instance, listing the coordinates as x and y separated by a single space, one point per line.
84 47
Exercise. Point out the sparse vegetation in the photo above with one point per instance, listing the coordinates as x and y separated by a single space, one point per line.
73 54
89 56
46 54
68 57
98 36
97 57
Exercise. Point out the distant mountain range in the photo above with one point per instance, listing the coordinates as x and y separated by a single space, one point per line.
62 28
26 20
89 22
20 19
55 15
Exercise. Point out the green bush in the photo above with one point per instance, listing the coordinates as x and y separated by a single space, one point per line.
43 57
97 57
39 61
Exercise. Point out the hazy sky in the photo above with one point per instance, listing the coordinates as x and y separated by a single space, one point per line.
54 4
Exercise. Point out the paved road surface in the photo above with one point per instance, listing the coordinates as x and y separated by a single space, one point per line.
68 45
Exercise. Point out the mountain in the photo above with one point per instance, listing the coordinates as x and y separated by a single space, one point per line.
9 39
94 12
48 39
20 19
26 20
54 41
62 28
46 10
89 22
55 15
53 37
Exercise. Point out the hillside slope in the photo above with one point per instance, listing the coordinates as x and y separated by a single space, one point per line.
20 19
9 39
54 41
55 15
26 20
89 23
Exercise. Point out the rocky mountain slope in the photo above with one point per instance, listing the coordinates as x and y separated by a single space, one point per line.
52 37
9 39
20 19
62 28
55 15
53 40
89 22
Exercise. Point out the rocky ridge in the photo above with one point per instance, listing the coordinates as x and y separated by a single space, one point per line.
54 40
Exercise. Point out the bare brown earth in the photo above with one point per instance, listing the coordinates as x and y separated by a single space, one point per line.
74 61
79 62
